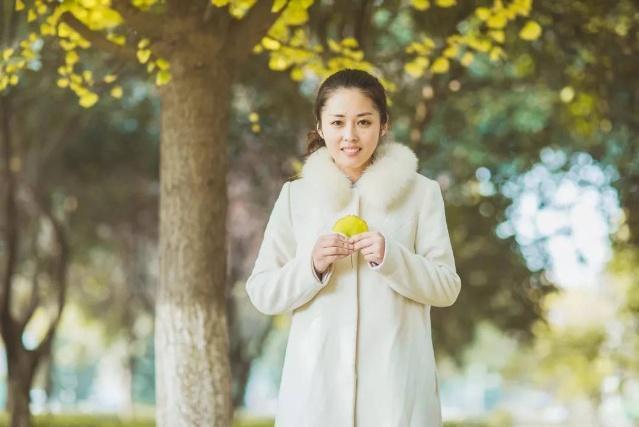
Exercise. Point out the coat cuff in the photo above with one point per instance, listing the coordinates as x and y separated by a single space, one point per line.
324 277
375 266
386 266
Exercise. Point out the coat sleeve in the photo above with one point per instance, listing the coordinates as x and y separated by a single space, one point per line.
428 276
282 279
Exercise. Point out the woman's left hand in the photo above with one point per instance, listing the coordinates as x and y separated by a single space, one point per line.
372 245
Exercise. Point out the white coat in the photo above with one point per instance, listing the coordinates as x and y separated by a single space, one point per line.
359 350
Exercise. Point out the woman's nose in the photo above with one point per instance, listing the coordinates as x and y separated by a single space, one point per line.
349 132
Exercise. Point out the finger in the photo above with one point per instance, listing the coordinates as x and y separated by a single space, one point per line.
363 243
360 236
336 250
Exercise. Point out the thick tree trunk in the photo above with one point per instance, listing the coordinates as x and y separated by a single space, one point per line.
191 337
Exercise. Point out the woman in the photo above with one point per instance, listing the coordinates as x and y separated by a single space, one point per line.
359 351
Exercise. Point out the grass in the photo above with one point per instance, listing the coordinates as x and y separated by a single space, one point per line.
81 420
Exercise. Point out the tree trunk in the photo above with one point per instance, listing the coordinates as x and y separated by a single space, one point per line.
20 374
191 338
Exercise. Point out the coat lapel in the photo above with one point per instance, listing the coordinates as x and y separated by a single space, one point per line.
382 182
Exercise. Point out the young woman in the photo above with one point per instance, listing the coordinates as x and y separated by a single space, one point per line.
359 351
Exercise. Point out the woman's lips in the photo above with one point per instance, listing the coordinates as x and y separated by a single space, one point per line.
351 152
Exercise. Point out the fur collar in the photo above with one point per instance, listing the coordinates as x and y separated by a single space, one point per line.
391 172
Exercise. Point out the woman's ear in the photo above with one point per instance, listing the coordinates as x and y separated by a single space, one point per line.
319 131
384 130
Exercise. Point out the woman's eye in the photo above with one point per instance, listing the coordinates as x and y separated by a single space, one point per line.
336 122
365 122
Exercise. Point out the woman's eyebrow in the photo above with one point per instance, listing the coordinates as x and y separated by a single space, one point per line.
360 114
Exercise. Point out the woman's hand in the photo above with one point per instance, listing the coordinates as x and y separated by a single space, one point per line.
372 245
328 249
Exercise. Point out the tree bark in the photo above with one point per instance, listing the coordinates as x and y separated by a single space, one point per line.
20 374
191 338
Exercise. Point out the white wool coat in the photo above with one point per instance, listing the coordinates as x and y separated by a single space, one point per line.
359 350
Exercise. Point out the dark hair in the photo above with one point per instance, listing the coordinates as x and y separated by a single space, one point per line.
346 78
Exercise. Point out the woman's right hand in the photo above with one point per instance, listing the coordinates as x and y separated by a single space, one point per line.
328 249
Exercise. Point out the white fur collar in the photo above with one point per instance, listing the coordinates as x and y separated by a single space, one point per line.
381 182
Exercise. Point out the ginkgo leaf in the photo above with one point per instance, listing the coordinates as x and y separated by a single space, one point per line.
116 92
446 3
530 31
350 225
440 65
88 100
162 64
420 4
143 55
163 77
278 5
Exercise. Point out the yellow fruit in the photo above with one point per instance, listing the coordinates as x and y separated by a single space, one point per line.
350 225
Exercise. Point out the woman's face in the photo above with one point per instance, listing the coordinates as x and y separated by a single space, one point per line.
349 120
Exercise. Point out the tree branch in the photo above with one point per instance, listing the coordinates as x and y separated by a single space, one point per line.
144 23
96 38
59 274
35 286
246 33
11 235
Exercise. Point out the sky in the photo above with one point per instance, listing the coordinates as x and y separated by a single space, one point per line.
570 204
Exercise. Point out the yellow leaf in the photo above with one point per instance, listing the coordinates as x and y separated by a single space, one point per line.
19 5
420 4
71 57
530 31
278 5
482 13
255 128
334 46
13 80
440 65
6 54
270 44
451 51
414 69
350 225
277 63
117 39
143 55
446 3
88 76
150 67
110 78
219 3
64 30
297 74
116 92
350 42
163 77
497 35
254 117
162 64
88 100
497 21
496 53
63 82
31 16
143 43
